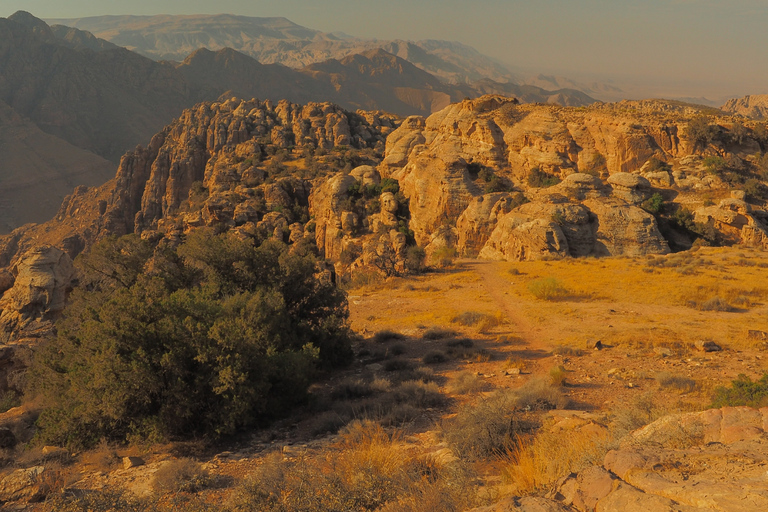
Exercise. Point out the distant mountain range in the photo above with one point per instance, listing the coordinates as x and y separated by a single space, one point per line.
97 98
280 41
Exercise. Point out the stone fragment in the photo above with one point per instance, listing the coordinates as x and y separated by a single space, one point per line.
707 346
132 462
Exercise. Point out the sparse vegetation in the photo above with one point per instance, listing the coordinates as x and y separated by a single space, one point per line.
677 382
548 288
181 475
368 469
743 391
540 179
386 336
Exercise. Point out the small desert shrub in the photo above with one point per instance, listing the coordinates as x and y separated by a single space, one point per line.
111 500
537 463
9 400
539 394
397 349
386 335
482 429
329 422
548 288
443 257
562 350
678 382
422 373
460 342
368 469
743 391
490 426
352 388
558 376
715 304
419 394
483 321
638 413
397 365
466 382
438 333
434 357
540 179
182 475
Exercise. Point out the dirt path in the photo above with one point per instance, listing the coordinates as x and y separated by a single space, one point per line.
498 289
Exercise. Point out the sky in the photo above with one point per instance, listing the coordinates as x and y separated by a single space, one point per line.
671 48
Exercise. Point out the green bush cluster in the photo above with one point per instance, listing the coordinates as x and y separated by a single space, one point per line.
216 335
743 391
540 179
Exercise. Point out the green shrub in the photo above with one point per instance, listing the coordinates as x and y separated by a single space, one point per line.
218 335
654 204
656 165
743 391
700 132
548 288
539 179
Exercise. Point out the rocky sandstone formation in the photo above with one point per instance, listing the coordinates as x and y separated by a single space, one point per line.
710 460
42 279
436 161
479 177
681 462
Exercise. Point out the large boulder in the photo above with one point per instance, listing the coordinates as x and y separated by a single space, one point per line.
516 238
624 229
43 280
632 188
710 460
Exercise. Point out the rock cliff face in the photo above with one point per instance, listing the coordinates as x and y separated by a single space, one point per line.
41 281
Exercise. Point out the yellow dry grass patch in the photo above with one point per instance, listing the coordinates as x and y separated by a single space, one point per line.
536 463
642 302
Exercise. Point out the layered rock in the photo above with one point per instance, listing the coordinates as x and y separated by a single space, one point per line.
734 222
682 462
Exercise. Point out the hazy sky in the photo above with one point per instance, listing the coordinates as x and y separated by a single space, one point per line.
681 47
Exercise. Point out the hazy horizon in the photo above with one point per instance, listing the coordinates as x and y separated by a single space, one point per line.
672 48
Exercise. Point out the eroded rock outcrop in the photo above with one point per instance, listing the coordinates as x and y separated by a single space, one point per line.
42 280
682 462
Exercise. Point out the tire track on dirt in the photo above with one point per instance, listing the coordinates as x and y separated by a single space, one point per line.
498 289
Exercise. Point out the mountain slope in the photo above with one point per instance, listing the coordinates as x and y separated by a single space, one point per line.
754 106
279 41
104 101
38 170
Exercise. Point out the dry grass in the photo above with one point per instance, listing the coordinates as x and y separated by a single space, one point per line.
466 382
483 322
536 463
369 468
489 426
548 288
182 475
678 382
